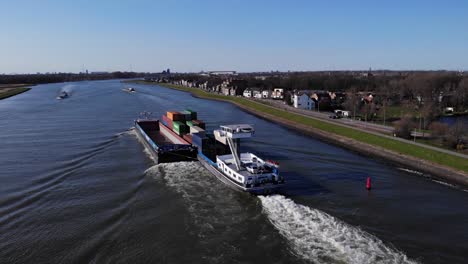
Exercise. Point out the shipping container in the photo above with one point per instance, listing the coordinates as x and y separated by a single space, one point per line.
167 122
199 140
187 115
175 116
197 130
189 123
199 123
180 128
193 114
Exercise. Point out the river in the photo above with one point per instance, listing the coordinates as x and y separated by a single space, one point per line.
77 187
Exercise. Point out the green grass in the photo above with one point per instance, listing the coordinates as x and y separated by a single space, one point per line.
390 144
12 92
395 112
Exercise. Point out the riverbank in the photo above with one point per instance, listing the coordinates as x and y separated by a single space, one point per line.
441 165
9 91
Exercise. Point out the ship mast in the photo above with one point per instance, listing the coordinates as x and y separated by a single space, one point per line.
231 134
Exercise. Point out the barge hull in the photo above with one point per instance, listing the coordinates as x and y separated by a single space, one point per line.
179 151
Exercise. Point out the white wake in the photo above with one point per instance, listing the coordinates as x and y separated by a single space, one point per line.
214 209
68 88
316 236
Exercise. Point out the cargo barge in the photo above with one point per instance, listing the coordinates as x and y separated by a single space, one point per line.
219 153
163 144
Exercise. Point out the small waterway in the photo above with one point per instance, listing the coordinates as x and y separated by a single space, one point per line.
77 186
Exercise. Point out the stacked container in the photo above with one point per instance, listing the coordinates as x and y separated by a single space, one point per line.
180 128
187 115
199 123
175 116
167 122
200 141
197 130
192 113
184 122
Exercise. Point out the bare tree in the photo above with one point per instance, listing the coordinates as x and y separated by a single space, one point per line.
404 127
352 100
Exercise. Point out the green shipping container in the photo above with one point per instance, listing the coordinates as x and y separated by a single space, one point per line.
180 128
187 115
193 114
189 123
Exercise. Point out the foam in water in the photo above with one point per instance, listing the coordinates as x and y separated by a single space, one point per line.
422 174
445 183
132 132
217 216
411 171
321 238
67 88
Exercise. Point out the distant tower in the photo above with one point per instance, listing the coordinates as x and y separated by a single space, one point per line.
168 71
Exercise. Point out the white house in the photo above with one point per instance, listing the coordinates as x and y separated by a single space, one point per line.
278 93
257 94
303 101
266 94
247 93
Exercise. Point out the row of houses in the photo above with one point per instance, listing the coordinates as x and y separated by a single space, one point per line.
276 93
317 99
309 100
233 87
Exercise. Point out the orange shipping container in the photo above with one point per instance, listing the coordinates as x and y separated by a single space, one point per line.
175 116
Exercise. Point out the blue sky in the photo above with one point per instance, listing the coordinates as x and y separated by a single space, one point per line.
103 35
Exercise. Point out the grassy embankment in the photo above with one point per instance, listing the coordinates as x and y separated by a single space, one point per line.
9 91
390 144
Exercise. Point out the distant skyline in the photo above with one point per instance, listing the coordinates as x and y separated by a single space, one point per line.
244 36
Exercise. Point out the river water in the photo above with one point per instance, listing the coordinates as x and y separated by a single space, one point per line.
77 186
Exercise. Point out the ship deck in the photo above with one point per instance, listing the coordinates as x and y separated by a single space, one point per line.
229 161
159 138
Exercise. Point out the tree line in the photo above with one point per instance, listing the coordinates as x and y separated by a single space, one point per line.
65 77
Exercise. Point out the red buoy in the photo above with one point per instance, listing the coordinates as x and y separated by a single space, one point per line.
368 183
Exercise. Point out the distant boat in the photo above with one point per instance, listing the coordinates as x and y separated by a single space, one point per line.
129 90
62 95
